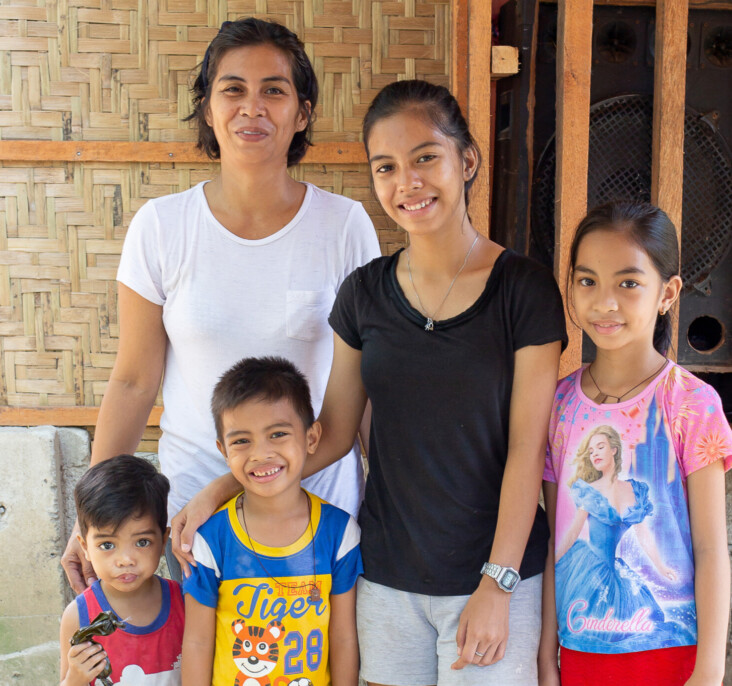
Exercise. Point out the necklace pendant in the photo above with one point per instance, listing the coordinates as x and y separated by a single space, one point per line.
314 594
429 324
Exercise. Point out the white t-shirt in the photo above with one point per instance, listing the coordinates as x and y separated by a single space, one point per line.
225 298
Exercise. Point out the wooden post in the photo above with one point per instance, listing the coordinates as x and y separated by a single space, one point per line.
479 105
574 60
459 58
669 95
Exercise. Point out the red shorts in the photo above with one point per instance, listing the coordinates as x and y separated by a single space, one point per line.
663 667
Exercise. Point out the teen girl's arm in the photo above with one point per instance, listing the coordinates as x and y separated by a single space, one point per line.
341 417
133 386
343 639
343 408
483 623
706 490
199 638
549 643
80 664
197 510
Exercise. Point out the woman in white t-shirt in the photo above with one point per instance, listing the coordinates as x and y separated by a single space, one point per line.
247 264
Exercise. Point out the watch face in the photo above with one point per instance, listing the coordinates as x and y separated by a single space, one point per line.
509 579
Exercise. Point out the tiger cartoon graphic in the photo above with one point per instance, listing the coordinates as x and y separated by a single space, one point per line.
256 652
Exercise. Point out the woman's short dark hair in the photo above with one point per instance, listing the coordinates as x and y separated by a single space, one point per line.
261 378
435 103
650 228
114 490
251 31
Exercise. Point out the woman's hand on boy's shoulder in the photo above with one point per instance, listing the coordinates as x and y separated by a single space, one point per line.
78 569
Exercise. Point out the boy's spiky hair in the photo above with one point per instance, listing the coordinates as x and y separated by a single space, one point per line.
262 378
114 490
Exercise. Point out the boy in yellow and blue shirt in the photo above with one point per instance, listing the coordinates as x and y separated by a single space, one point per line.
272 596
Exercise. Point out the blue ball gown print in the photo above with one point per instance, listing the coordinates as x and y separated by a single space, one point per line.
592 577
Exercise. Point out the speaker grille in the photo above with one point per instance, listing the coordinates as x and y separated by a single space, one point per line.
621 138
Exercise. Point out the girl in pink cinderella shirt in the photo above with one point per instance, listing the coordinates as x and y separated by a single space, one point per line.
637 581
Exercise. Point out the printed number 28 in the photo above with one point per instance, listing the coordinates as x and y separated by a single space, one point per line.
313 651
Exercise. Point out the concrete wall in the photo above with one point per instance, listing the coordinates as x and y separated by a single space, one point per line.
39 468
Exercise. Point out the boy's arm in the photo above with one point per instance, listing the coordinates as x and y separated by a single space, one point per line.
198 643
343 639
80 664
712 573
549 644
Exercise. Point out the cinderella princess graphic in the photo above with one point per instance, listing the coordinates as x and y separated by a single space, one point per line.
611 583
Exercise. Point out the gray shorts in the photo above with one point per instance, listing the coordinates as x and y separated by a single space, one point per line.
408 639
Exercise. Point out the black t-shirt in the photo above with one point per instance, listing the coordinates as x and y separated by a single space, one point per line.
439 432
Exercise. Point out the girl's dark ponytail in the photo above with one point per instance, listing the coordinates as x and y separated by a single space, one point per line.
662 333
651 230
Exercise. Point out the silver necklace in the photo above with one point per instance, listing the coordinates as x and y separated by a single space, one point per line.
430 323
314 595
602 397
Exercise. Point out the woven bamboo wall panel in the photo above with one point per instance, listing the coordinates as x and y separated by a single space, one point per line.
62 226
120 70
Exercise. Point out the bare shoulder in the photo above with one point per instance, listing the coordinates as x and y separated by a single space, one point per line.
69 621
487 252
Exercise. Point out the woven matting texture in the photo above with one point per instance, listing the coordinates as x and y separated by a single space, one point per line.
116 70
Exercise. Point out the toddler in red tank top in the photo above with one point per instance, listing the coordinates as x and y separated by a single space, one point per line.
122 511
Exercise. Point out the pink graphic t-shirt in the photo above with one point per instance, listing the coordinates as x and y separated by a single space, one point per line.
624 568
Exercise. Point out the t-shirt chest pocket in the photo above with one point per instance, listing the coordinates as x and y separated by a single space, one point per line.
307 314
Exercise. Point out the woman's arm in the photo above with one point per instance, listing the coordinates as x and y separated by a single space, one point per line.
133 386
549 643
198 643
484 622
135 379
712 574
343 408
343 639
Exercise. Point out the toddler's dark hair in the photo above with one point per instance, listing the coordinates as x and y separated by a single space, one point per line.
262 378
114 490
652 231
251 31
435 103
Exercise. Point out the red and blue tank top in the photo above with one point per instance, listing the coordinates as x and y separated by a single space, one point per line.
141 654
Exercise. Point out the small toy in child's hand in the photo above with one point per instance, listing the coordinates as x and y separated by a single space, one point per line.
104 624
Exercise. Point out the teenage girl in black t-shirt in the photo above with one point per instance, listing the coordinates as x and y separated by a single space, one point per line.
388 317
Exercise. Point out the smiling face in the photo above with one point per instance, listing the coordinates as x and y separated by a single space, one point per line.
419 174
253 108
617 292
125 558
265 444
